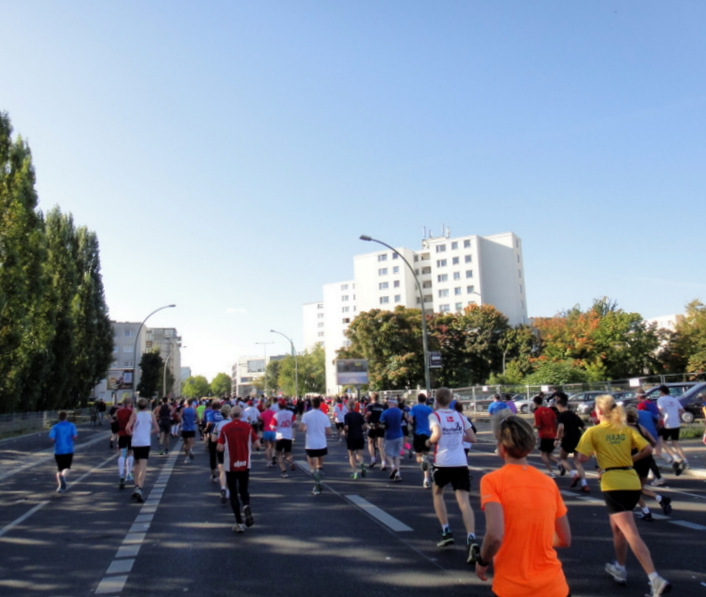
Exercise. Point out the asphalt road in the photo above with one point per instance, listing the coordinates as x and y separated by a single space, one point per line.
364 537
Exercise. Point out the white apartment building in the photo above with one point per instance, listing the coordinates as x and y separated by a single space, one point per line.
249 369
453 273
119 383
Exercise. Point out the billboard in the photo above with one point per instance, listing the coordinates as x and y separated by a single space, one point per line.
119 379
352 372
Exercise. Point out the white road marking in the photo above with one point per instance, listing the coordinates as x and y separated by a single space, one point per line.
22 518
378 514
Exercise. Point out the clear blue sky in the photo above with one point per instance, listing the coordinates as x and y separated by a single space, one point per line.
229 154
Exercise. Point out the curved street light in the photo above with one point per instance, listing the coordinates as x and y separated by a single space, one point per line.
134 350
296 365
425 346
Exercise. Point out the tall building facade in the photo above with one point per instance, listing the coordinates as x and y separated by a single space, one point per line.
453 273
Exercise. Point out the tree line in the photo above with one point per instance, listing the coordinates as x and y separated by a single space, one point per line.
56 339
478 346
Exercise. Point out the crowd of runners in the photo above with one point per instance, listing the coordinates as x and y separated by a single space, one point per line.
383 434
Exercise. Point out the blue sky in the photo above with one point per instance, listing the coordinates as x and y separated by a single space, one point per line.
229 154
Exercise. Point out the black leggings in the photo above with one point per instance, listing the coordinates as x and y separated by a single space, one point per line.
238 485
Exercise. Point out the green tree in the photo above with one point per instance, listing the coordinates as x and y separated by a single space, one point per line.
151 365
196 387
311 372
686 348
25 332
221 385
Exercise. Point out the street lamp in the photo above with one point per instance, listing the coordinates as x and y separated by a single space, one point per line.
134 350
425 347
296 365
265 367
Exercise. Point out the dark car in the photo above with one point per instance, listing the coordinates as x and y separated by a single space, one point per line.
625 397
675 389
582 402
693 402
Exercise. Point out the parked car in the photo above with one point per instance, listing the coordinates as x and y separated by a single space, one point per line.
582 402
675 389
693 402
522 405
626 397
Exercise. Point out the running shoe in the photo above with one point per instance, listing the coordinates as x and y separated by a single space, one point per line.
666 505
249 520
646 516
373 464
121 483
284 474
363 471
677 468
447 538
575 481
63 483
397 478
316 490
354 476
238 527
186 460
137 495
214 478
393 473
659 586
562 470
585 489
60 489
618 572
161 452
223 496
473 553
292 466
657 482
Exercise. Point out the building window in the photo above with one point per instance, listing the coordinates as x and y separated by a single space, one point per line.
346 320
519 273
320 324
467 243
442 278
469 258
384 300
444 292
470 289
396 283
345 309
459 306
457 291
382 271
444 308
383 286
382 257
455 260
395 256
398 298
128 333
441 263
320 305
396 269
344 286
127 349
469 273
345 298
457 275
454 245
520 288
440 248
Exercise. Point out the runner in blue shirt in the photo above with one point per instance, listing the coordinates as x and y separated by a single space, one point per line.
63 435
391 418
422 432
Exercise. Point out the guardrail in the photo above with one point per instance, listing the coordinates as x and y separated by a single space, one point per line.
34 422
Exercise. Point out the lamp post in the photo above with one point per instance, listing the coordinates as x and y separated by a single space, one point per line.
171 352
265 366
425 347
296 365
134 350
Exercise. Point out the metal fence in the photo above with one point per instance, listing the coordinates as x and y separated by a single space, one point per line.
32 422
477 398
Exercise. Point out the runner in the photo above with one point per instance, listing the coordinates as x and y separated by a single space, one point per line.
419 416
163 413
141 426
268 435
188 429
339 413
568 433
63 435
545 423
671 411
525 519
317 427
354 429
376 433
225 413
125 458
391 419
283 423
235 442
612 442
448 430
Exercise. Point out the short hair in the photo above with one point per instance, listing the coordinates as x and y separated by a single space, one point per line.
443 396
422 398
631 413
514 434
374 396
316 402
62 415
664 389
235 412
142 403
127 401
538 400
561 398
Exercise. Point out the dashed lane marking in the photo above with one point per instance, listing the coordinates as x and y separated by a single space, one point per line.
378 514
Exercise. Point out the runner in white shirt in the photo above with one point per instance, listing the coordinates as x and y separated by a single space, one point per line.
339 413
283 423
316 425
671 411
448 431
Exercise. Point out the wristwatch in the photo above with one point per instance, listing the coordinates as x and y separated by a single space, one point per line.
481 562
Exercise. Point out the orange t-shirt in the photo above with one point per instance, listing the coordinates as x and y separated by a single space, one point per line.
526 564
